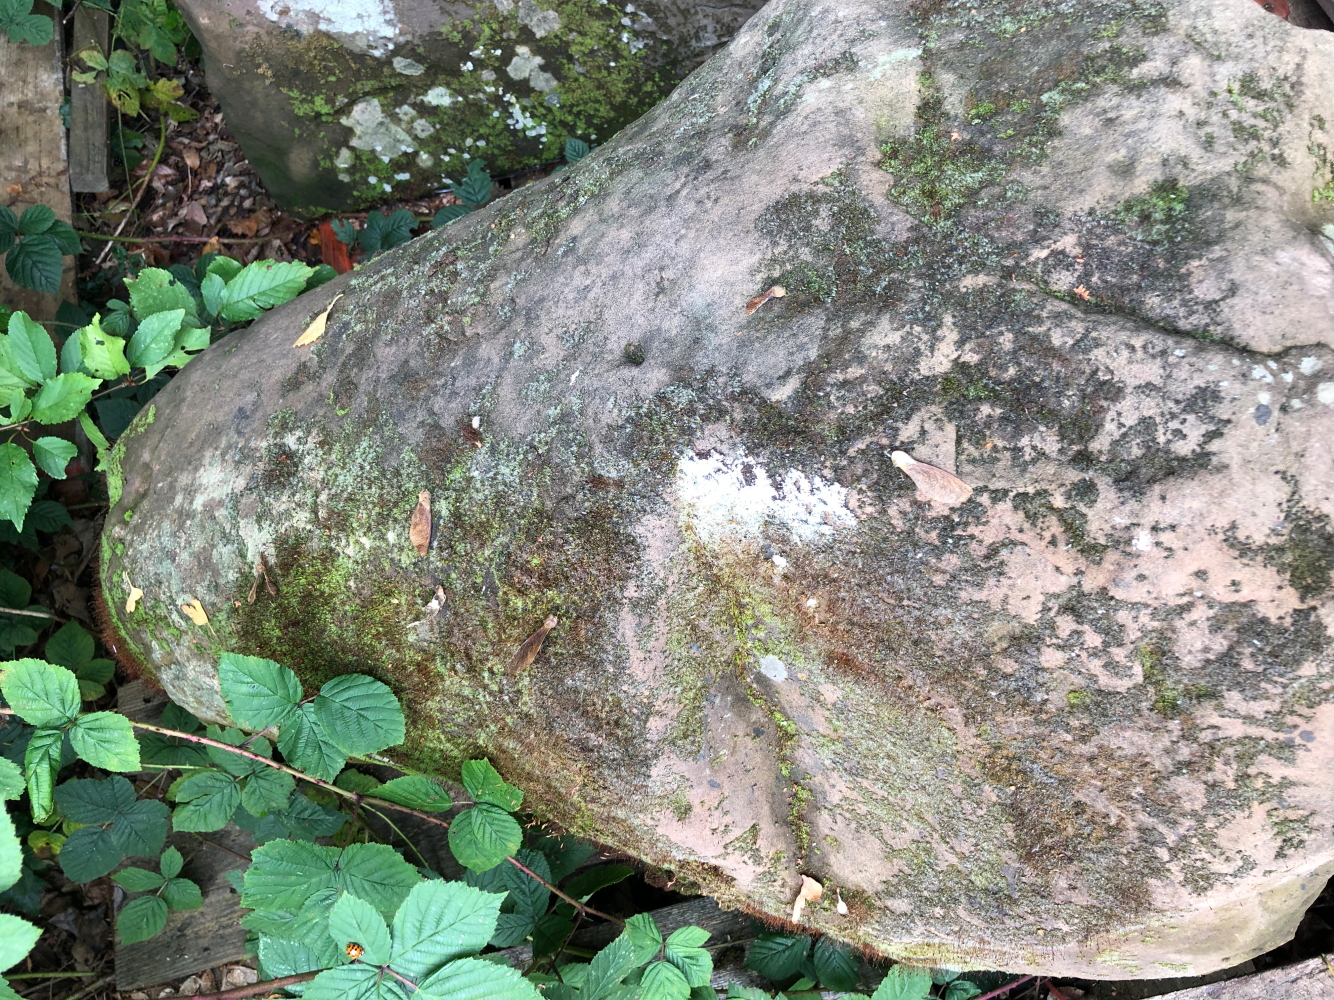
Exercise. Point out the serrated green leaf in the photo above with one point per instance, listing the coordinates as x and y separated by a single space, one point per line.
171 862
11 780
359 715
36 218
284 957
36 262
663 981
41 693
11 853
17 938
528 896
512 929
63 397
156 291
155 338
476 979
53 455
695 964
98 671
415 792
33 350
305 747
482 837
608 967
141 828
267 790
590 880
105 740
137 879
550 933
439 922
89 853
778 956
259 693
354 982
98 439
205 802
354 921
31 28
576 149
687 937
353 780
100 352
18 483
642 932
835 967
141 919
182 894
285 874
962 989
47 515
485 784
260 286
904 982
87 800
211 290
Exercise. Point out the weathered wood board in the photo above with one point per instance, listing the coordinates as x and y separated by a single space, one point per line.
33 168
1309 980
88 109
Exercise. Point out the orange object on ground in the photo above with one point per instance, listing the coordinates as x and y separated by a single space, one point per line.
334 251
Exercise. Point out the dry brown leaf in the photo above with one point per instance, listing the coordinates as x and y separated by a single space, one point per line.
195 612
419 530
776 292
1082 292
136 595
811 890
933 484
316 329
527 653
243 227
191 157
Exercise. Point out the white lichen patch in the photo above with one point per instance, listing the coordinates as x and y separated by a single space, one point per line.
439 97
364 26
542 22
373 131
722 496
408 67
773 668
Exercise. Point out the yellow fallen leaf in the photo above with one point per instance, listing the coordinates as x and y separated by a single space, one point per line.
776 292
811 890
932 483
419 528
195 612
316 329
136 595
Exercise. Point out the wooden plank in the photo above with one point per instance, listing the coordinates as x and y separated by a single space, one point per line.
140 702
200 939
88 108
1309 980
33 169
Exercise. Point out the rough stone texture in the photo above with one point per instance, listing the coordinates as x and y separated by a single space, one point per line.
395 95
1081 724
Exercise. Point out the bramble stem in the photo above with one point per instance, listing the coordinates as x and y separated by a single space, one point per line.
355 798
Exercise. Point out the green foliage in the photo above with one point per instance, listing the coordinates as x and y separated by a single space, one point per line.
576 149
148 914
383 232
483 836
35 243
22 25
904 982
471 193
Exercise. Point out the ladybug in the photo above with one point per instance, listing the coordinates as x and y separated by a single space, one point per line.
354 950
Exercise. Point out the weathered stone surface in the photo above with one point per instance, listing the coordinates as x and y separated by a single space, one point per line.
338 103
1082 723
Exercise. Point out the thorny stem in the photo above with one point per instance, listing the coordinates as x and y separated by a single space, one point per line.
255 988
406 840
31 614
356 798
1004 989
172 239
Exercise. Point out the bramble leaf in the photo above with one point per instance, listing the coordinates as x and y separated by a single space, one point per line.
182 894
355 982
17 938
18 483
836 967
359 715
137 879
608 967
778 956
904 982
305 747
36 262
663 981
354 921
485 784
105 740
63 397
41 693
439 922
171 862
962 989
477 979
89 853
415 792
590 880
259 693
11 780
141 919
482 837
267 790
205 801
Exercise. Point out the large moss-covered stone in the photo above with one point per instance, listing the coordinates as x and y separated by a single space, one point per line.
1082 723
343 103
